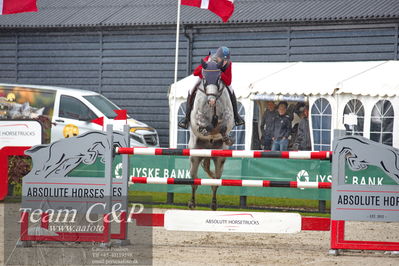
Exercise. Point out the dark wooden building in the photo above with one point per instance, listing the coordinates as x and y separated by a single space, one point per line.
125 49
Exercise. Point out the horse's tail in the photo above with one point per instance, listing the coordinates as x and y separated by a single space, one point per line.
206 165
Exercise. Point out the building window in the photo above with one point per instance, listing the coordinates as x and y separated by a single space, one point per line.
238 133
354 117
382 117
321 122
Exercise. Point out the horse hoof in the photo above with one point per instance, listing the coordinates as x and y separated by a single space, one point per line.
228 141
191 205
214 206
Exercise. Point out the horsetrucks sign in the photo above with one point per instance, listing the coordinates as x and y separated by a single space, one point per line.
352 202
229 221
20 133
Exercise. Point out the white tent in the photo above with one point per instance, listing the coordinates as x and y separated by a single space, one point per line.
337 82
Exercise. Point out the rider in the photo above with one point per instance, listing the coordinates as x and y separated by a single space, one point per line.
221 56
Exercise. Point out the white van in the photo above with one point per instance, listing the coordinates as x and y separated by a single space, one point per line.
69 110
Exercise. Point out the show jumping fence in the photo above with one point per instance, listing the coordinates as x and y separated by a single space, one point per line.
297 155
335 226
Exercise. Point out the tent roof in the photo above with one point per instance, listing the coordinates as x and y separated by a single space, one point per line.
373 78
381 81
312 78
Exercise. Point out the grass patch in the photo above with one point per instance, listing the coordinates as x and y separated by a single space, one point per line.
283 202
158 200
227 203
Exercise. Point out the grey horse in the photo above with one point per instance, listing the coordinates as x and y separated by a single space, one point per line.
211 122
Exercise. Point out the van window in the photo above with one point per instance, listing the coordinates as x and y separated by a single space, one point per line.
103 104
72 108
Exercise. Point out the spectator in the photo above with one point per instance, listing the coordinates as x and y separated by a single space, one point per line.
302 141
281 128
297 116
268 117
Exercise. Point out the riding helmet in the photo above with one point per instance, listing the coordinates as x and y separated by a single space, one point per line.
223 52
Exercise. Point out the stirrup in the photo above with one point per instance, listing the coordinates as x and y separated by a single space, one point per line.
183 123
239 121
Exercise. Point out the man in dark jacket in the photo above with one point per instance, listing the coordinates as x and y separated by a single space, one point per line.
281 128
303 141
266 125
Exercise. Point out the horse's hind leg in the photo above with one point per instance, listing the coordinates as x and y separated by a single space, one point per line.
191 203
194 162
214 204
219 163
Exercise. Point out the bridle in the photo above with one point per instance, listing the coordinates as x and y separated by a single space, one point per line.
220 88
218 85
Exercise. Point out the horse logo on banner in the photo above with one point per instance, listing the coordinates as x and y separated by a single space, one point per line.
361 152
61 157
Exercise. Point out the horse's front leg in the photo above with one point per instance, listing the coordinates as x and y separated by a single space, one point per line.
219 164
194 164
203 123
226 138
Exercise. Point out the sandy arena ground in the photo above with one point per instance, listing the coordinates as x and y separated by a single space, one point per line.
200 248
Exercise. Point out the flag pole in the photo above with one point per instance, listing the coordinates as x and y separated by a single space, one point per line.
173 115
177 40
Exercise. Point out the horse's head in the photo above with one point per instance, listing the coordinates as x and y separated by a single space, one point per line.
212 84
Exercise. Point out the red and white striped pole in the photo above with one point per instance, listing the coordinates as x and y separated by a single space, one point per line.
230 182
304 155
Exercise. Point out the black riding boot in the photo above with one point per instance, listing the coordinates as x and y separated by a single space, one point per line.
183 123
237 118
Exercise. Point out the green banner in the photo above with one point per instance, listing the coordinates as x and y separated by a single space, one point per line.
237 168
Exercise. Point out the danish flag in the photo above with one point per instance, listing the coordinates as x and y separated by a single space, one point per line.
223 8
17 6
